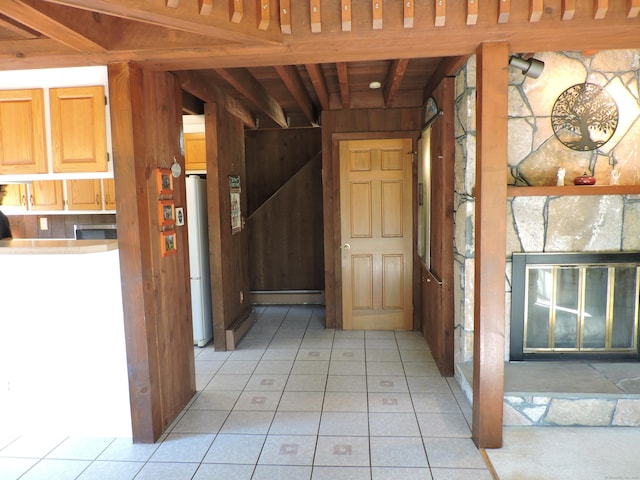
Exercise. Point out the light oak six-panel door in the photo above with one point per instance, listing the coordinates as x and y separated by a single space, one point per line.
376 225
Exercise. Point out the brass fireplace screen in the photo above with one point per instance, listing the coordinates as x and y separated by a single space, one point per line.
575 305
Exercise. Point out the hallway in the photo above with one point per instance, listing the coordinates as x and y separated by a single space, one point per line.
294 401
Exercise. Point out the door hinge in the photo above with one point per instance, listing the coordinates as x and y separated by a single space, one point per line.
106 101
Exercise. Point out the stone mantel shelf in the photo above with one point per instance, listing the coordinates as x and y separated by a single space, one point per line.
554 191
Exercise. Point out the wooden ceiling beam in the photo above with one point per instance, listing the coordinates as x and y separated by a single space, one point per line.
409 12
292 79
633 8
441 13
394 80
376 8
504 11
343 81
285 17
17 28
568 9
600 9
61 24
448 66
200 86
346 15
316 17
314 70
252 90
535 11
183 17
472 12
236 10
264 14
205 7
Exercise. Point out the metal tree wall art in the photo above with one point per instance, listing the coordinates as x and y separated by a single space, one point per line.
584 117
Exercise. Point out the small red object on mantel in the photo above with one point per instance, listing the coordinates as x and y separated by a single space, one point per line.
584 179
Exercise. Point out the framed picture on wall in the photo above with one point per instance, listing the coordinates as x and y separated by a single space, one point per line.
166 213
165 182
168 242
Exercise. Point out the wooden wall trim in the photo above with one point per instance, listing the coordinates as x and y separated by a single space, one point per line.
490 243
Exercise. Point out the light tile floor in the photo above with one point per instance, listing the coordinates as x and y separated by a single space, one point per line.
294 401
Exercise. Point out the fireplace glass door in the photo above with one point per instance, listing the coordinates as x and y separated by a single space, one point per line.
581 308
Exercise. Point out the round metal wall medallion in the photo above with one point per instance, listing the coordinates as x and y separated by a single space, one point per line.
584 117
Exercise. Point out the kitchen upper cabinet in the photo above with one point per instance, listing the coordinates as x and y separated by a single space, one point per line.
195 154
46 195
78 129
16 197
109 194
23 145
84 194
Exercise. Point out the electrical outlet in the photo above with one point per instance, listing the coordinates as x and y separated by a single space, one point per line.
44 223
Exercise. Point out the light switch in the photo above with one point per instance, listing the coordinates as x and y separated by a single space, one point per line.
44 223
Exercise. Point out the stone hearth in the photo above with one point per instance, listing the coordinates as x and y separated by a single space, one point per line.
567 393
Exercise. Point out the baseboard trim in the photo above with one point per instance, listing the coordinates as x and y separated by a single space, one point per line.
287 297
237 330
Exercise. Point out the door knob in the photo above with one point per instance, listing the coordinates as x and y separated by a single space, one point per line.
346 246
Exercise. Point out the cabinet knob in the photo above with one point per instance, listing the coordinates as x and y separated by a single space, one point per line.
97 199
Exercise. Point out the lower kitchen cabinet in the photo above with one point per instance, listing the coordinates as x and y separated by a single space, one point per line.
46 195
109 194
84 194
16 197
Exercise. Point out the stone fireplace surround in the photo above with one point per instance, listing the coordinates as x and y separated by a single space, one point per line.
555 223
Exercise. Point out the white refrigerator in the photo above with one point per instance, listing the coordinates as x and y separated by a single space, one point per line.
198 232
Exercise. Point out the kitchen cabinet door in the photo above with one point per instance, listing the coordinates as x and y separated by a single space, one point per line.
84 194
109 194
46 195
16 197
23 145
195 154
78 129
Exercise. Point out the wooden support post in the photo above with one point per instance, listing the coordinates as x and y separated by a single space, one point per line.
236 10
536 10
316 17
472 12
633 8
600 8
376 7
490 243
264 14
346 15
205 7
285 17
568 9
441 13
409 13
504 10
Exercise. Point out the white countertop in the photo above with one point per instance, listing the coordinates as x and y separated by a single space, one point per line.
55 247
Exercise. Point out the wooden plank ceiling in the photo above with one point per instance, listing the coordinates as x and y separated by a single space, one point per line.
279 63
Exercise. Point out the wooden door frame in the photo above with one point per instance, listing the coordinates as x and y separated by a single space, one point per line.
333 230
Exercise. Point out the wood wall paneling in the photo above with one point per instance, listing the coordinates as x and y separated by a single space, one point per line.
156 295
285 228
351 125
438 324
60 226
490 244
228 253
